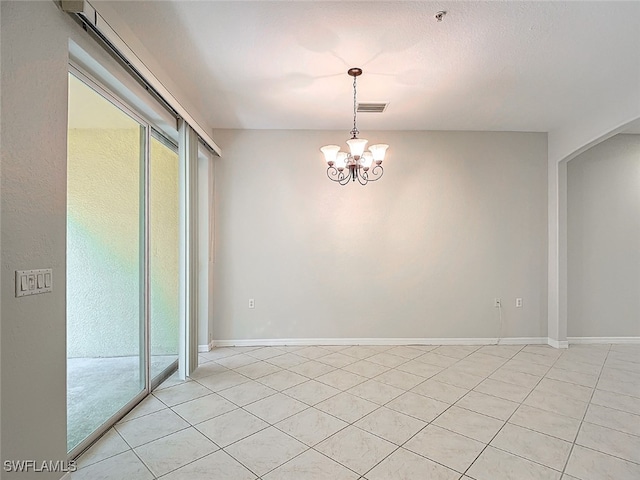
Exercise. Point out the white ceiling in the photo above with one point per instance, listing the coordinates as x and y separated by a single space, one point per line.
505 66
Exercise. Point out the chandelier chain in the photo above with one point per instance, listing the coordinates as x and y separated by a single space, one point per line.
355 131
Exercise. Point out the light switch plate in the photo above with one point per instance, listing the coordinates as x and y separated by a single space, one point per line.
34 282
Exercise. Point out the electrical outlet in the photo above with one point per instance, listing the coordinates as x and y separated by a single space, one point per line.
252 303
497 303
518 302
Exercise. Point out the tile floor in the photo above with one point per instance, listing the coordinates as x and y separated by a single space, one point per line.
386 413
100 386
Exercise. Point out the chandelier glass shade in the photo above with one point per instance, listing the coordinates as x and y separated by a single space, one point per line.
356 164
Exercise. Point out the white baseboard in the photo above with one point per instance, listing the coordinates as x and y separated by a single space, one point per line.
557 343
592 340
521 341
274 342
205 348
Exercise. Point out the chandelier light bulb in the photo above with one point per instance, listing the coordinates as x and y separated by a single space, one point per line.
357 146
366 160
341 160
330 153
378 151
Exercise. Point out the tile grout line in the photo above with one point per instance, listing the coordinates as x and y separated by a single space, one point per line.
168 407
274 426
353 423
604 426
308 447
223 449
588 403
195 428
190 425
378 405
383 405
573 444
406 391
507 421
180 430
428 423
444 428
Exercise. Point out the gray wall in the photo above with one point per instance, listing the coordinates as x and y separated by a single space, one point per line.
458 219
603 211
34 56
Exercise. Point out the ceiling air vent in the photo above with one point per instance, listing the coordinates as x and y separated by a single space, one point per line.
372 107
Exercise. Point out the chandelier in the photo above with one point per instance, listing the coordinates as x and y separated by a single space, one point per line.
356 164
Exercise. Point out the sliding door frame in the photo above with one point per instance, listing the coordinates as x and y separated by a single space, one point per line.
145 291
162 376
188 159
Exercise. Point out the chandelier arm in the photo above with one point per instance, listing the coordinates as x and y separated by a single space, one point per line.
334 174
374 171
363 178
344 180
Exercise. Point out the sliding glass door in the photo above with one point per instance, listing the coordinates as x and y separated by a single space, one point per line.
122 259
